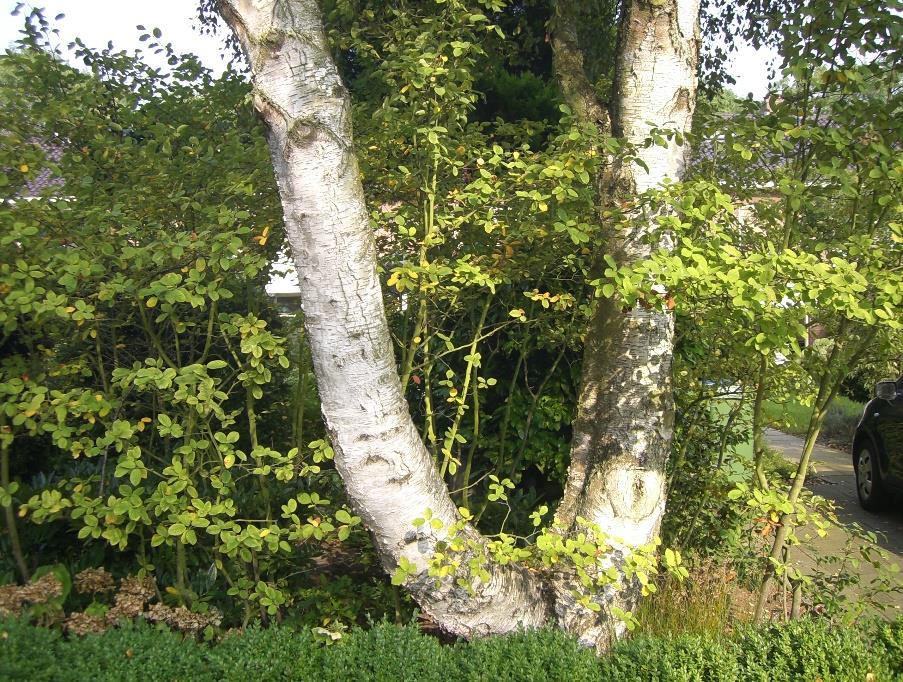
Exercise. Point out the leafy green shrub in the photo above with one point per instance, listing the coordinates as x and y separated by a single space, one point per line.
277 653
708 444
666 660
146 406
803 650
27 652
809 649
134 652
538 655
889 637
386 653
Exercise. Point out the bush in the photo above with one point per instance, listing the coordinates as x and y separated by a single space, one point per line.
803 650
140 653
671 660
889 637
386 653
530 656
277 653
27 652
812 649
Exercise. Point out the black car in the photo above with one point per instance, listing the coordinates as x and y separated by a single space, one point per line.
878 447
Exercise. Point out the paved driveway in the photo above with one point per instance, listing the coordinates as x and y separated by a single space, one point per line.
833 478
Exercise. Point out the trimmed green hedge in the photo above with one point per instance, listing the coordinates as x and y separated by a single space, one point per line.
805 650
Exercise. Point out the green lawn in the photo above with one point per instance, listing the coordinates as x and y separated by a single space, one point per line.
792 417
743 450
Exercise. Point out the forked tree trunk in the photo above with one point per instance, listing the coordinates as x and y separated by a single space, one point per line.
387 471
616 478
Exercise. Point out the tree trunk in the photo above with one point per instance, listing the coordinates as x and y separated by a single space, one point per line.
624 423
388 473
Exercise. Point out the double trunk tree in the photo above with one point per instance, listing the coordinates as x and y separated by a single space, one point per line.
623 427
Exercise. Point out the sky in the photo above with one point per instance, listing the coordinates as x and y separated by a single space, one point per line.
99 21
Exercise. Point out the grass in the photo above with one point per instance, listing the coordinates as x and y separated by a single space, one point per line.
774 461
790 417
742 450
700 605
840 421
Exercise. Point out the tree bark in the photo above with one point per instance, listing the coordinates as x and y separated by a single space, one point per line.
625 414
388 473
624 423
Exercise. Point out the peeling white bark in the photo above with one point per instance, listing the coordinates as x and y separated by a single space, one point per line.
388 473
624 423
657 82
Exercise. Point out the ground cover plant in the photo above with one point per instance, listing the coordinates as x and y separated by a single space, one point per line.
806 649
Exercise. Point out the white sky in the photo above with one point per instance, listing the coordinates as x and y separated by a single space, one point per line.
99 21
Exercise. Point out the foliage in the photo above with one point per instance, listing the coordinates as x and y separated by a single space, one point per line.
533 656
152 404
707 462
809 649
786 271
137 340
477 234
480 235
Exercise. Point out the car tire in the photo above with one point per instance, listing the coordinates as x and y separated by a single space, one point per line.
873 495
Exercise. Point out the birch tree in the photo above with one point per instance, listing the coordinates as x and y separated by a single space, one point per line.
623 426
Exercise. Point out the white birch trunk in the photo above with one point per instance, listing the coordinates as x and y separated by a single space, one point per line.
625 416
387 471
624 423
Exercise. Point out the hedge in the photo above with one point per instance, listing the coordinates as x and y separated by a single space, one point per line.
804 650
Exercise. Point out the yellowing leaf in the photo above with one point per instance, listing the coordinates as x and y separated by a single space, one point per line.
264 235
